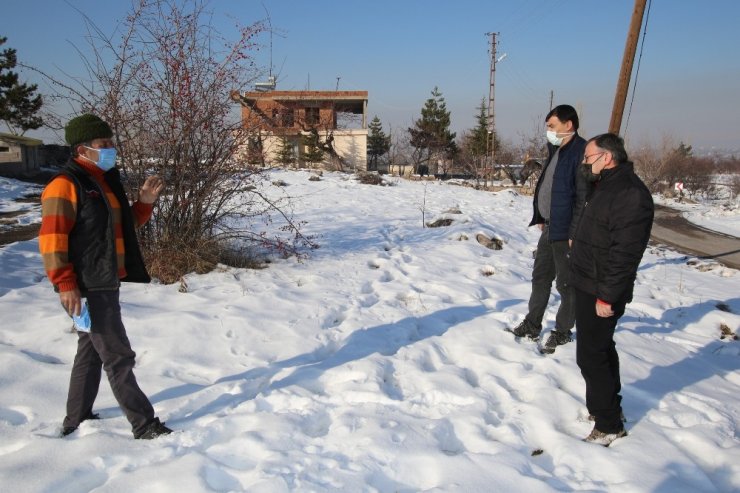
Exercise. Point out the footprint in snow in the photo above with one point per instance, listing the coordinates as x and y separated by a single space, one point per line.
42 358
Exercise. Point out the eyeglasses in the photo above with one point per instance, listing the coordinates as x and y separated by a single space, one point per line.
585 158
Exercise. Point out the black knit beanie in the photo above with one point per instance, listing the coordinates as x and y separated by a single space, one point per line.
86 128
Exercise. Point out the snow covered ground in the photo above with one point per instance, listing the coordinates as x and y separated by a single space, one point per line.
378 364
718 215
22 213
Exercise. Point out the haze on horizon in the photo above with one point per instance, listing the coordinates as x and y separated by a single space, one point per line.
399 51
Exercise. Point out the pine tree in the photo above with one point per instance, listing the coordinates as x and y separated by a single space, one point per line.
478 141
430 135
313 153
18 103
378 143
285 154
684 150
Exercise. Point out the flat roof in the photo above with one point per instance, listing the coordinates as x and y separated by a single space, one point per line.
307 95
20 139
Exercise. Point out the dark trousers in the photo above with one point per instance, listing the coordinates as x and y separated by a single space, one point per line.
551 263
596 355
106 347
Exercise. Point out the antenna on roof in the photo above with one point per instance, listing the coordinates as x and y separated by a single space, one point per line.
271 79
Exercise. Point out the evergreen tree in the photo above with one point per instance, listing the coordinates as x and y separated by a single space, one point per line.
378 143
430 135
478 141
684 150
313 153
18 103
285 154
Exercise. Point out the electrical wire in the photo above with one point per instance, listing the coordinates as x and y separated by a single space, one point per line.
637 72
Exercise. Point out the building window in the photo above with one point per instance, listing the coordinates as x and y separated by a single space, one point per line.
4 149
312 116
288 120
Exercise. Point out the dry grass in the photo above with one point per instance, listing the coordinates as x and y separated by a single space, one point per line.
370 179
169 261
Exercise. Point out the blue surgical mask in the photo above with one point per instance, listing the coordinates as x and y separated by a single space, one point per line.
106 158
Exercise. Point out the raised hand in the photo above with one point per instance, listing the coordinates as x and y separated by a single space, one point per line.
151 189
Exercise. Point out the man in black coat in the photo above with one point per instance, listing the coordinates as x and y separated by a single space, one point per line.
558 198
609 242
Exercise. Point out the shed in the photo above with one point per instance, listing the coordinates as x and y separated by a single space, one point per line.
19 156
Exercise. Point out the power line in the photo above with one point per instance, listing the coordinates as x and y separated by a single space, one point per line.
637 72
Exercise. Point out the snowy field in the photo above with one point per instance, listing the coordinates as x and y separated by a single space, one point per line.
18 213
379 364
718 215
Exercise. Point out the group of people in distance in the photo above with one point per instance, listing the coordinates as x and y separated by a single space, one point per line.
594 214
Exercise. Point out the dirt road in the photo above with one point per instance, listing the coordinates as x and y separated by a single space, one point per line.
669 228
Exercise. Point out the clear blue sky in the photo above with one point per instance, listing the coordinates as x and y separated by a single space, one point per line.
400 50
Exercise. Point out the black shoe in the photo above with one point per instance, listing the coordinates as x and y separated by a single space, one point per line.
557 338
67 430
526 329
71 429
154 429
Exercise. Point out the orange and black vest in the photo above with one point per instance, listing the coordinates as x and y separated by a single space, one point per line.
92 246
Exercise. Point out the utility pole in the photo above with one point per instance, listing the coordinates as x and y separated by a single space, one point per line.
491 143
625 74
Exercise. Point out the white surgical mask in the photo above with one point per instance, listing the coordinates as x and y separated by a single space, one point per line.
552 137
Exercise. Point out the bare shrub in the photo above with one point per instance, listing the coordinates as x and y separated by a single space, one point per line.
164 86
735 185
661 166
698 175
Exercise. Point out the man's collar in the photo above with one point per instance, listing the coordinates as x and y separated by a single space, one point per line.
571 139
89 167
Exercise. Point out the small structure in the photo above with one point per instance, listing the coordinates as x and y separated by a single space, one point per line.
335 121
19 156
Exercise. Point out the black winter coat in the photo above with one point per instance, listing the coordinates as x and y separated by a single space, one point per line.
612 235
568 190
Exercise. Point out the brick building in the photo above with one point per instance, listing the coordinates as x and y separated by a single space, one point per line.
337 120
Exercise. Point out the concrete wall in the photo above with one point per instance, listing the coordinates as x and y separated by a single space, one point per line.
19 159
351 145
